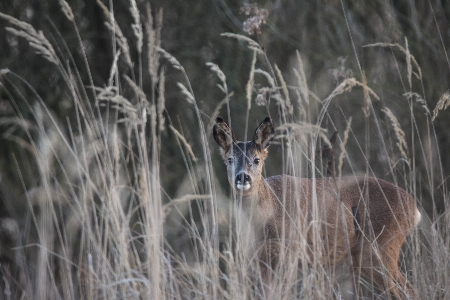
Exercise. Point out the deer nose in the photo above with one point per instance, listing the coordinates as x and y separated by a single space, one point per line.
243 181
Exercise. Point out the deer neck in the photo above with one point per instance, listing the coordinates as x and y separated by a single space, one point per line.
258 204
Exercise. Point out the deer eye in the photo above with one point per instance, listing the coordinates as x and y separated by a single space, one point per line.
256 161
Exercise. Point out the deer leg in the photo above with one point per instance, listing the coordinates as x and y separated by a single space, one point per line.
390 253
268 261
396 282
277 270
380 265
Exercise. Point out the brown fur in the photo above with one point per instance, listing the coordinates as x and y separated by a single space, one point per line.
378 215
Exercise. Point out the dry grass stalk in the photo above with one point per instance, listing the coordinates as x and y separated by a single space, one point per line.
443 103
302 91
301 108
301 77
300 127
287 99
137 26
186 198
215 68
217 111
346 86
67 10
303 130
419 99
111 94
405 51
184 141
189 97
161 99
114 69
153 41
342 146
4 71
121 40
172 60
249 41
265 92
142 106
268 77
399 133
36 39
408 64
250 82
153 120
367 101
138 91
15 123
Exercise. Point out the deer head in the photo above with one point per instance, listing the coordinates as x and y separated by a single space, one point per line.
244 160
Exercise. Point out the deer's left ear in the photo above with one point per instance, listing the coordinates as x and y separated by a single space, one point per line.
264 134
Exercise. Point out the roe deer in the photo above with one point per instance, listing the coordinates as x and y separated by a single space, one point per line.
362 218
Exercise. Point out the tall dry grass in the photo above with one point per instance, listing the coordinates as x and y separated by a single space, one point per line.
99 224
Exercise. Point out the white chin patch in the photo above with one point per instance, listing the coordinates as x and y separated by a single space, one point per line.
243 187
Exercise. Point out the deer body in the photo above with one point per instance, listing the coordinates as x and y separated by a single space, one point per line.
365 218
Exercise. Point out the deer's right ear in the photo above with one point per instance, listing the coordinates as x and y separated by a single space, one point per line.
223 135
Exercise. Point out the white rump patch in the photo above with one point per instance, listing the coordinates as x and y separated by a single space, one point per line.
417 217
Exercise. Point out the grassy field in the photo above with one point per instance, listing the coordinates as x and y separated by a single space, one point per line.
113 187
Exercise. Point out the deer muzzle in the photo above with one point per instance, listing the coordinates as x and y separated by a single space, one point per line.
243 181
